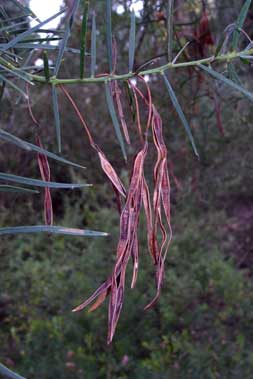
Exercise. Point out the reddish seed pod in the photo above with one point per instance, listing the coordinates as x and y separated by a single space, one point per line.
137 194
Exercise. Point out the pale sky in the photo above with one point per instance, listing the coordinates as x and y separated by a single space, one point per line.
46 8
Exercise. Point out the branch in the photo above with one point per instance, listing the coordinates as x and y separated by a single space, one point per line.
157 70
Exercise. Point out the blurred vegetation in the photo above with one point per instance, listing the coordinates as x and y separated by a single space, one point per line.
202 326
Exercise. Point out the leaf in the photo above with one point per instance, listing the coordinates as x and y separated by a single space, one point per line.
13 85
83 37
7 188
13 26
223 41
227 81
5 136
233 74
170 6
53 230
30 147
2 90
39 183
18 73
22 36
45 175
6 372
246 58
114 119
132 41
180 113
239 23
93 46
46 66
109 33
23 7
56 117
136 110
117 94
44 46
47 39
63 43
10 19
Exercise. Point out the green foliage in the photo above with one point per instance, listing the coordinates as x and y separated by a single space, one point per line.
191 332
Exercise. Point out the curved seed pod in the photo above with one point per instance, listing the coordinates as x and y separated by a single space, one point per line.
137 194
45 175
161 200
43 167
138 118
135 257
105 164
111 174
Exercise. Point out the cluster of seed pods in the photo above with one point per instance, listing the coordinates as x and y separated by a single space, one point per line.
157 212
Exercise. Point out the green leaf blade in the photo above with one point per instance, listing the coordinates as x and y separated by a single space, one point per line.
227 81
13 85
109 33
180 113
132 41
6 372
7 188
20 37
240 22
83 37
18 73
114 118
52 230
39 183
93 45
29 147
56 117
64 41
46 66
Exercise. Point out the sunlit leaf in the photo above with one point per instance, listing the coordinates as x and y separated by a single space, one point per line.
7 188
7 373
44 46
39 183
53 230
47 39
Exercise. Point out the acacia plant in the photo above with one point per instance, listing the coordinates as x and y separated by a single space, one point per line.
19 74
